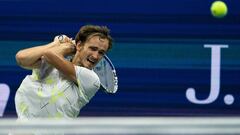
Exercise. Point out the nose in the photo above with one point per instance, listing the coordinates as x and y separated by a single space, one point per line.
95 55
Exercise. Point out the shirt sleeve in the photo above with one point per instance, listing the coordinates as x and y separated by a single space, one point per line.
88 81
41 72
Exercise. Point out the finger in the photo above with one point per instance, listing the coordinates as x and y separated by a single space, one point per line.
73 41
69 45
67 39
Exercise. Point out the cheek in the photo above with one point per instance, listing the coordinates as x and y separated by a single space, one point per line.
83 52
100 58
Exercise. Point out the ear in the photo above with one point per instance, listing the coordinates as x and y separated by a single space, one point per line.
79 45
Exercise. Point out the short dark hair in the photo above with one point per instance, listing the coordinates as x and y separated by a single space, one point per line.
88 31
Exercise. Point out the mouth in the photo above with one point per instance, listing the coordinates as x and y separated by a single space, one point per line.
91 61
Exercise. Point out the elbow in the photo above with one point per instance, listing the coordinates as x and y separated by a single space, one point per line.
23 60
20 57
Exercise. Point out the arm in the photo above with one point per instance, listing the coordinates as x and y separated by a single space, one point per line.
55 57
31 57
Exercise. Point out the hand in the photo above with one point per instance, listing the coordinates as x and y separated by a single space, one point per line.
68 47
59 39
62 39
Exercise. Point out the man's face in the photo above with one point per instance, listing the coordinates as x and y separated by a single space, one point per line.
91 52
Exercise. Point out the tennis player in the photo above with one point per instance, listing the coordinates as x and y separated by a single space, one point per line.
59 88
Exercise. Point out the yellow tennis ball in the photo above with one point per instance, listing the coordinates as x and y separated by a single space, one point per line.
219 9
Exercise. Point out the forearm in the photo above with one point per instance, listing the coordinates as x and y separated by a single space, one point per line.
55 57
30 57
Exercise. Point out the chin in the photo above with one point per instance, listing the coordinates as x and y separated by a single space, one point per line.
89 67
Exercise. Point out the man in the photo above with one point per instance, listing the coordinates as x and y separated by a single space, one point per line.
59 88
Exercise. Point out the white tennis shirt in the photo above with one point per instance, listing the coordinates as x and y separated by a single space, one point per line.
48 94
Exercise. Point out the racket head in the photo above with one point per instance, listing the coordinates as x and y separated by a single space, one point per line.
107 75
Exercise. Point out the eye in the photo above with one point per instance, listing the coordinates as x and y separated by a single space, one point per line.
93 48
102 52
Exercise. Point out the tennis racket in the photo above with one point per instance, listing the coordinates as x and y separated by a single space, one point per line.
105 71
107 75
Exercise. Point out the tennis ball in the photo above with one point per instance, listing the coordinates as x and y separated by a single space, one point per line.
219 9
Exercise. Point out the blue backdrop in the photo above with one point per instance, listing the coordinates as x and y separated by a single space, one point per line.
158 52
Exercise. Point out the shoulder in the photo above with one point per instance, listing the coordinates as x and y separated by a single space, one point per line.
87 78
85 72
